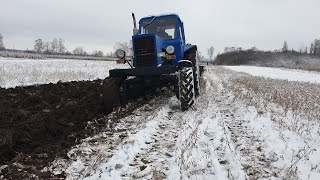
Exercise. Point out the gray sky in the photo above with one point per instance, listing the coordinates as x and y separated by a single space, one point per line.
98 24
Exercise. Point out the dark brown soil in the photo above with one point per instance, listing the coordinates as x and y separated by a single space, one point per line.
39 123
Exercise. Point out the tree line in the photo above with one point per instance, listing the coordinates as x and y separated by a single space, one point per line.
57 46
314 48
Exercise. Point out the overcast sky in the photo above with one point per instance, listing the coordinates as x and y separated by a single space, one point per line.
98 24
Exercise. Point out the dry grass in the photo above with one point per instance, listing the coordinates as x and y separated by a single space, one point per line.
305 67
292 107
298 97
266 58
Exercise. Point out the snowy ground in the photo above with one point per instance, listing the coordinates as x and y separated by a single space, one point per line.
24 72
235 131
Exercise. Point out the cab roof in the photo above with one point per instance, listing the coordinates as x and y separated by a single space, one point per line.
161 16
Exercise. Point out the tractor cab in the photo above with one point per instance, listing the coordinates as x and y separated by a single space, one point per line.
166 27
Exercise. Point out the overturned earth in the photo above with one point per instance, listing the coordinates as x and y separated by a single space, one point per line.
39 123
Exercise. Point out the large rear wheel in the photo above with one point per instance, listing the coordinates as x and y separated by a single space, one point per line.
192 56
186 87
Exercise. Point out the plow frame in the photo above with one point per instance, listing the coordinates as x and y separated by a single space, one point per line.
144 71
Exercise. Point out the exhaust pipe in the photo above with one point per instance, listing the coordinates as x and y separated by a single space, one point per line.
135 30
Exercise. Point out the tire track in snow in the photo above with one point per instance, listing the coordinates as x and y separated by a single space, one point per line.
152 163
245 142
122 163
228 156
202 151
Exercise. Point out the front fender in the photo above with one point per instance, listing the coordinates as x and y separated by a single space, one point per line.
189 47
184 63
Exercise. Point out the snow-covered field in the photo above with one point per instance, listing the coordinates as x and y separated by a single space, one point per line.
24 72
249 123
242 127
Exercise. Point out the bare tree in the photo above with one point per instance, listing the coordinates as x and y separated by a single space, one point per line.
199 56
110 54
54 45
46 47
317 46
232 49
61 46
98 53
210 52
38 45
311 50
79 51
2 47
302 49
285 46
251 49
126 46
306 50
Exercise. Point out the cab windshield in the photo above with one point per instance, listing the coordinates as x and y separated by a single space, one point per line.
163 27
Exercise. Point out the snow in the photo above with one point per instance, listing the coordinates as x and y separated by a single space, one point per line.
224 136
278 73
127 152
23 72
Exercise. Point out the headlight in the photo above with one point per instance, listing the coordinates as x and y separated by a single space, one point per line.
170 49
120 54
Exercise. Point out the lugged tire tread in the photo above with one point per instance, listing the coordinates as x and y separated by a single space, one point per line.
186 87
191 55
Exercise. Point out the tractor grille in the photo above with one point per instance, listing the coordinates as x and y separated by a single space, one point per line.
145 52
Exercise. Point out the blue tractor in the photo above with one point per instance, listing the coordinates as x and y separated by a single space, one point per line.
160 56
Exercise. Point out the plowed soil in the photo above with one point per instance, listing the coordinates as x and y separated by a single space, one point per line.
39 123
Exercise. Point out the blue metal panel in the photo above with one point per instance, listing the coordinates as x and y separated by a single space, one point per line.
188 46
176 43
134 48
159 44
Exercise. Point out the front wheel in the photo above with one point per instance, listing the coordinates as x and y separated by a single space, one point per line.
186 87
